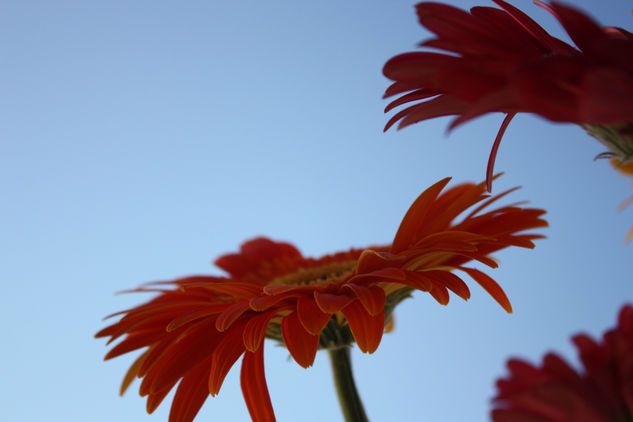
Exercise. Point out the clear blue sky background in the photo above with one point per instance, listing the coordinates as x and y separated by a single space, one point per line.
141 139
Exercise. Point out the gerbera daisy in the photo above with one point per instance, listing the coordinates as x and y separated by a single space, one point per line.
556 392
500 60
197 327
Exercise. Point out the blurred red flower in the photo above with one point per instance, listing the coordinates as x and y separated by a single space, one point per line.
556 392
500 60
197 327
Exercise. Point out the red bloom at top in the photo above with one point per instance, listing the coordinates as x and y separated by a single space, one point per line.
500 60
196 328
556 392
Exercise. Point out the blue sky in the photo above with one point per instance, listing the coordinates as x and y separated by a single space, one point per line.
140 140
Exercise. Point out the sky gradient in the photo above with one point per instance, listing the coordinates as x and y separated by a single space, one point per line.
140 140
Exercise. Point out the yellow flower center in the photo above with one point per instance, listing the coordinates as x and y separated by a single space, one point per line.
322 274
624 168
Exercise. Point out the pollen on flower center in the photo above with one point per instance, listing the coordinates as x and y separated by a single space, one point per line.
322 274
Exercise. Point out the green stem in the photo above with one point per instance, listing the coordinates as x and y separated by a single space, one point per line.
348 397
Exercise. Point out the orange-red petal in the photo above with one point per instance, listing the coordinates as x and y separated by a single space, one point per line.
440 294
301 344
255 330
331 303
224 356
371 260
187 318
311 316
451 281
230 315
390 273
415 216
132 372
133 341
490 286
179 357
234 289
154 399
191 394
367 329
372 298
254 388
418 281
263 303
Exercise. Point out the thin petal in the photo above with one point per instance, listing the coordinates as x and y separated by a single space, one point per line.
448 21
187 318
440 294
450 281
372 298
388 275
533 28
263 303
491 200
580 27
254 388
370 261
311 316
366 329
415 216
416 95
155 353
235 289
135 341
191 394
180 357
155 399
132 372
224 356
493 152
419 281
331 303
447 206
230 315
301 344
490 286
255 330
443 105
502 99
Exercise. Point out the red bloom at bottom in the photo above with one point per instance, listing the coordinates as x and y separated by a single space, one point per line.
197 327
556 392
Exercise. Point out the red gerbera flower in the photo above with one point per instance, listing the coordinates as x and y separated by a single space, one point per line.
556 392
501 60
195 332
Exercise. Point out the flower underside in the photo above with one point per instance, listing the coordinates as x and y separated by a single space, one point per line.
600 391
197 327
500 60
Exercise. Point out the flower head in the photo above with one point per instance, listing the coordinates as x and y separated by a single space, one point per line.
601 392
500 60
197 327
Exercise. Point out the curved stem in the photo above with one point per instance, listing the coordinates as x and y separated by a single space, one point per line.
348 397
